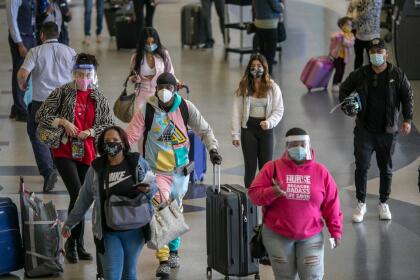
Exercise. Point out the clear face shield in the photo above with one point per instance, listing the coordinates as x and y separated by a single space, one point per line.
299 147
85 76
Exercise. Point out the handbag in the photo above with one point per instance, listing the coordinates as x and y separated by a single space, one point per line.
123 213
258 250
124 106
49 135
167 224
257 246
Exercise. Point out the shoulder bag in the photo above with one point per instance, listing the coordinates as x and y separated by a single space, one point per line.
123 213
124 106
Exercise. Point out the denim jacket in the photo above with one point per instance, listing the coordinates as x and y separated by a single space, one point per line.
91 192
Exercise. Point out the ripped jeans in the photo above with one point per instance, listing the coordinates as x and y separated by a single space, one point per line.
295 257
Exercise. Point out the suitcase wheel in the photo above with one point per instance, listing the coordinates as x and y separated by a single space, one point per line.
209 273
257 277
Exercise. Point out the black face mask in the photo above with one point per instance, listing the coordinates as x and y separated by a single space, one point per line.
113 148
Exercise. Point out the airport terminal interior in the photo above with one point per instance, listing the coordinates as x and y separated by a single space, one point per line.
372 250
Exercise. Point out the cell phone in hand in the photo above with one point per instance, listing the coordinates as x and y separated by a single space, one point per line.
141 185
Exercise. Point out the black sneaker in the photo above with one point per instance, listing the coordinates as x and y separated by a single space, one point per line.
265 260
174 260
83 254
12 113
71 251
164 270
21 117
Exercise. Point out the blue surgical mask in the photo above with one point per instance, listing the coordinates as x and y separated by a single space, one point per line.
151 48
377 59
297 153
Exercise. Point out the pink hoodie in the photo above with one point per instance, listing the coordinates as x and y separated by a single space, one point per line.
312 195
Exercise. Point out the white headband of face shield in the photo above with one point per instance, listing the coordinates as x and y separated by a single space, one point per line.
300 138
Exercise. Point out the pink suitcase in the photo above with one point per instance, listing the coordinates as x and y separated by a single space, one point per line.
317 72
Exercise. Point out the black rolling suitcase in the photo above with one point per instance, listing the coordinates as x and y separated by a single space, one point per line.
111 12
191 25
230 220
126 32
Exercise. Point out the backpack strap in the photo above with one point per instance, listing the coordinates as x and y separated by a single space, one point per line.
184 112
148 120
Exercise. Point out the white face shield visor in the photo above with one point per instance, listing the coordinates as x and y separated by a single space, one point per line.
299 147
85 76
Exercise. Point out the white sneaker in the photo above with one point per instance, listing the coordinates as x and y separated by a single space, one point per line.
359 212
384 213
335 88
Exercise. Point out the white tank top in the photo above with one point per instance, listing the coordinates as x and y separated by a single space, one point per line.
145 69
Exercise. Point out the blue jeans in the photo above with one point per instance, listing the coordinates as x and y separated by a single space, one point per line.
290 258
42 152
99 16
122 250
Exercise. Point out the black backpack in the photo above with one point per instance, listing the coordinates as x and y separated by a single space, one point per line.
150 113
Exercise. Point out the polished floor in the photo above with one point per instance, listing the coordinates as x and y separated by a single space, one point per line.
371 250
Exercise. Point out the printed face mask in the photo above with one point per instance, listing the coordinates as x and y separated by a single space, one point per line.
256 72
83 83
113 148
297 153
377 59
165 95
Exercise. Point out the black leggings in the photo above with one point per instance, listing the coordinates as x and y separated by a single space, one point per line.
257 148
267 41
359 47
73 175
339 66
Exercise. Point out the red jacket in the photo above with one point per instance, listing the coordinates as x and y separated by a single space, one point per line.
311 196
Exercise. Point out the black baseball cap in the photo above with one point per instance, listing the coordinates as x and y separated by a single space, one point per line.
166 79
377 43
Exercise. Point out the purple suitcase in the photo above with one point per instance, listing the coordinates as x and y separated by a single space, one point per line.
317 72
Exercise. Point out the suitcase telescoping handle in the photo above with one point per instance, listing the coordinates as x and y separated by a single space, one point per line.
216 179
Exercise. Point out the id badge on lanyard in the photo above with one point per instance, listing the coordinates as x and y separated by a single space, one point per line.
77 148
77 144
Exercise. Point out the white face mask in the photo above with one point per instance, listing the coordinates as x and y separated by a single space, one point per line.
165 95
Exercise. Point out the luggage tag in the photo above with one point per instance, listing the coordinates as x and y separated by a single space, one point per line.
77 148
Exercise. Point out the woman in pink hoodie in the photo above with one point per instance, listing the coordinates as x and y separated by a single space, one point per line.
297 194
